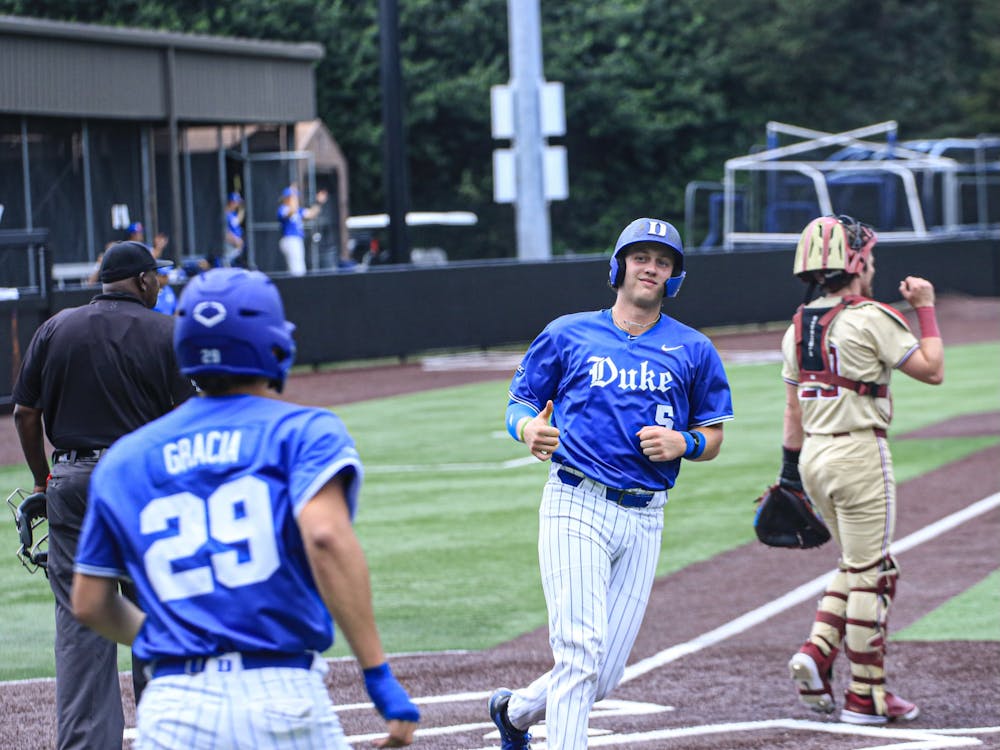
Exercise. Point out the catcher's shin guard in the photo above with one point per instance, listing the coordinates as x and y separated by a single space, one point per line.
831 614
811 669
872 591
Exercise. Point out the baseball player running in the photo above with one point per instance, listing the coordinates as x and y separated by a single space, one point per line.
233 516
615 398
839 354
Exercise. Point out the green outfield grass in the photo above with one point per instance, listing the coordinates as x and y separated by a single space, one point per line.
448 514
973 615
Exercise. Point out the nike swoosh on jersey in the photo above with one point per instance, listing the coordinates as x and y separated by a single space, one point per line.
672 348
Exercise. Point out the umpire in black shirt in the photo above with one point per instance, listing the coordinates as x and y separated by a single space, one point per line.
90 375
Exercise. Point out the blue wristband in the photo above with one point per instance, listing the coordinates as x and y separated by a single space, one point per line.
389 697
515 412
695 444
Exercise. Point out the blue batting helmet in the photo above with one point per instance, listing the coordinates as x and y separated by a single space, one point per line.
650 230
230 321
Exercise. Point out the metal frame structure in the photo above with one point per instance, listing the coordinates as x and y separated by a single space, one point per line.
927 188
905 163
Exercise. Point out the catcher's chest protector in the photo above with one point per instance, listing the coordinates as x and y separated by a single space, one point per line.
812 326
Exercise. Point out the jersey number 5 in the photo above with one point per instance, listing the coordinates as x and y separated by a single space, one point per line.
236 517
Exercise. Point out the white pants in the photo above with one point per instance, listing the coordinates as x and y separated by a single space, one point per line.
227 707
294 250
598 561
230 255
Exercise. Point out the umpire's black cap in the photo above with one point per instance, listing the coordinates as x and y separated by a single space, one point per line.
125 259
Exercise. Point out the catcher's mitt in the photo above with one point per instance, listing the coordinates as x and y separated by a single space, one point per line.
30 512
787 518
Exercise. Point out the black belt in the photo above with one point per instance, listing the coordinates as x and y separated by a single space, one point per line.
625 498
77 454
249 660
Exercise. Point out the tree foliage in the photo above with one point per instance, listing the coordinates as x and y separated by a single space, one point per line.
658 92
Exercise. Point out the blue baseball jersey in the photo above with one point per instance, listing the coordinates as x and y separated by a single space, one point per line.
291 222
606 385
233 223
166 300
199 509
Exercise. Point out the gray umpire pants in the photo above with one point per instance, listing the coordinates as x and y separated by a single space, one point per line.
88 697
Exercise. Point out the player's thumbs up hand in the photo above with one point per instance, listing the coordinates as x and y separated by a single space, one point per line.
540 436
546 413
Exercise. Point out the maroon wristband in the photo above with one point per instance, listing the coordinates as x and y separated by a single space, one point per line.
928 323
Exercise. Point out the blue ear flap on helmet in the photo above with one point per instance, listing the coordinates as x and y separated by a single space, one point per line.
649 230
674 284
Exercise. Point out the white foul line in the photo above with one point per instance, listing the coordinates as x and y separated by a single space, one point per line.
800 594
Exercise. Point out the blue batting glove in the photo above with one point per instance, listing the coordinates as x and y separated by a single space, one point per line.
390 698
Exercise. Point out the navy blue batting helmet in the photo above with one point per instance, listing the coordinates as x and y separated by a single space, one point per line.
650 230
230 321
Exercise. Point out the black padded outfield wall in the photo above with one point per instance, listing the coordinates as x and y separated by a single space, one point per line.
407 311
404 311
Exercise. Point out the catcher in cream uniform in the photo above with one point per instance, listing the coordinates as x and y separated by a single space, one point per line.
839 354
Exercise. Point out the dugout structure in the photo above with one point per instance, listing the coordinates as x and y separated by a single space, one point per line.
103 126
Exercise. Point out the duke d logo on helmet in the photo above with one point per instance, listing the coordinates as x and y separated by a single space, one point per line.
658 228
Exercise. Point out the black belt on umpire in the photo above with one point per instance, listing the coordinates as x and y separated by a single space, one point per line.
625 498
73 455
248 660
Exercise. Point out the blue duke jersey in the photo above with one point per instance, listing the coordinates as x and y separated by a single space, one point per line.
199 509
291 222
233 223
607 385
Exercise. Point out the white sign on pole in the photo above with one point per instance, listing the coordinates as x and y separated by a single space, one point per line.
556 175
552 109
504 176
502 111
552 116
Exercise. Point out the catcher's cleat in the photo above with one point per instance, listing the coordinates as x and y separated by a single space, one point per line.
511 738
860 709
811 673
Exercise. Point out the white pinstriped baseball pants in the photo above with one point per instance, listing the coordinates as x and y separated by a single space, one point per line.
230 708
294 250
597 561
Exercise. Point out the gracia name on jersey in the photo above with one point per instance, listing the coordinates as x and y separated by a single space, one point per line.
604 372
212 447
